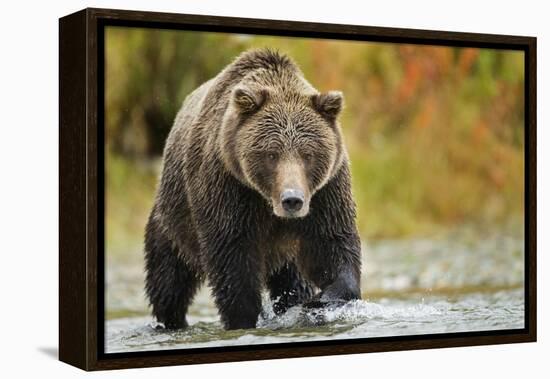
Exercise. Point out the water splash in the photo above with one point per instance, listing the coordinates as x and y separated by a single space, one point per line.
351 313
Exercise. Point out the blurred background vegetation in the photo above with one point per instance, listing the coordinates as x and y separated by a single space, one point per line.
435 134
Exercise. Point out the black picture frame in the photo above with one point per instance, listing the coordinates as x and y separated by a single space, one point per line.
81 197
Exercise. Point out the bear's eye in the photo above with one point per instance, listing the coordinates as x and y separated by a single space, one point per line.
307 157
271 156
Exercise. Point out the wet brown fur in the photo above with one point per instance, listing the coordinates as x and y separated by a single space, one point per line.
237 141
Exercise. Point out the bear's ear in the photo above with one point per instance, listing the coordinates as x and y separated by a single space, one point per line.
248 100
329 104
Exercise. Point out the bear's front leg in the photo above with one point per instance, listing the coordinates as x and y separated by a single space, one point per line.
331 248
334 265
234 275
228 223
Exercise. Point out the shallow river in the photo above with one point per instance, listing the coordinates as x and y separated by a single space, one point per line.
454 284
360 319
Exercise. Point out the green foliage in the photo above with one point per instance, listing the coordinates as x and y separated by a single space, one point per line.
130 186
435 134
148 74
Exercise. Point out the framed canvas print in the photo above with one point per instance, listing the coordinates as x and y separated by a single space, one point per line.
238 189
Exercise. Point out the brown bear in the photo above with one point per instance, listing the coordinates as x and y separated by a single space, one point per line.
255 194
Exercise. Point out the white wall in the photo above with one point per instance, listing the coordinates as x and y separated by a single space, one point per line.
29 177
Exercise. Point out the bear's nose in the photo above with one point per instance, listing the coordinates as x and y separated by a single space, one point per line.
292 200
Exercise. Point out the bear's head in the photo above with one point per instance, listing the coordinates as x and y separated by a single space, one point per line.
286 145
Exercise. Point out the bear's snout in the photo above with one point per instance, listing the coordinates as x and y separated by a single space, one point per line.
290 195
292 200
